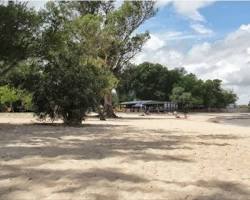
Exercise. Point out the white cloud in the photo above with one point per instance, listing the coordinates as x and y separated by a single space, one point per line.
191 8
175 35
170 58
157 48
227 59
201 29
248 50
37 5
187 8
154 43
163 3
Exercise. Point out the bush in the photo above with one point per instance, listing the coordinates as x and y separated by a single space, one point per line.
12 99
68 91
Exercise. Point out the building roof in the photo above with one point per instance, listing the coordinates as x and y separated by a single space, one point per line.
133 102
142 102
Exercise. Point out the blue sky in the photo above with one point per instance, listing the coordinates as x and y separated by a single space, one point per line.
221 16
208 38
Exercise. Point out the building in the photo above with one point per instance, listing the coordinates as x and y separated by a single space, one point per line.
148 106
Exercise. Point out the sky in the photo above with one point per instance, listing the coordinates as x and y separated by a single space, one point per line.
208 38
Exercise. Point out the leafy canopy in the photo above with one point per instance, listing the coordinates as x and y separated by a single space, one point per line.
154 81
73 78
9 96
18 31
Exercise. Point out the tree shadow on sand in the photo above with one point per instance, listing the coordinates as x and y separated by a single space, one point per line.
76 180
217 190
92 142
99 141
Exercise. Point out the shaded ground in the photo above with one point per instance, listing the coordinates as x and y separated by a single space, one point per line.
157 157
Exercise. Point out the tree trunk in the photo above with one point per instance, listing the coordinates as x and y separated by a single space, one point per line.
108 107
73 122
101 113
73 118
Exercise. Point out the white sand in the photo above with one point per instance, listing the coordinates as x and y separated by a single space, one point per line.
133 158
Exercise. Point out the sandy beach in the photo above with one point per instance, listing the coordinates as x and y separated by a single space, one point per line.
154 157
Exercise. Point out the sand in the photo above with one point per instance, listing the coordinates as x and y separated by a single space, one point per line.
154 157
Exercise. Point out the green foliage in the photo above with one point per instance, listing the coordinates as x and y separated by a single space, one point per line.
215 96
190 83
26 100
73 78
26 76
9 97
68 91
18 28
182 98
229 97
148 81
82 45
125 88
116 42
154 81
69 51
115 99
69 56
121 25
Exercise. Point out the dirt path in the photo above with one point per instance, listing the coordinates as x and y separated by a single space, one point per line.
133 158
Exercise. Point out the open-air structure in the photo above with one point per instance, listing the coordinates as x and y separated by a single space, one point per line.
148 106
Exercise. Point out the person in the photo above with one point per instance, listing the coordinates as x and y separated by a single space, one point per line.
176 114
185 111
147 110
101 113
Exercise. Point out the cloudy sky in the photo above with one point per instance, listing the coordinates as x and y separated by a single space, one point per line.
208 38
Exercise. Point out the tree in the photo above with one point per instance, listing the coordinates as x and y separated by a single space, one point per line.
182 98
9 97
214 96
125 89
148 81
67 91
154 81
121 24
119 43
190 83
229 97
72 77
18 30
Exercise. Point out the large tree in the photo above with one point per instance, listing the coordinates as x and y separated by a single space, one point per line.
190 83
148 81
182 98
214 96
120 41
122 24
18 31
72 78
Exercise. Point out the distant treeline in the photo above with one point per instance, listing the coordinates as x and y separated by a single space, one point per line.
156 82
